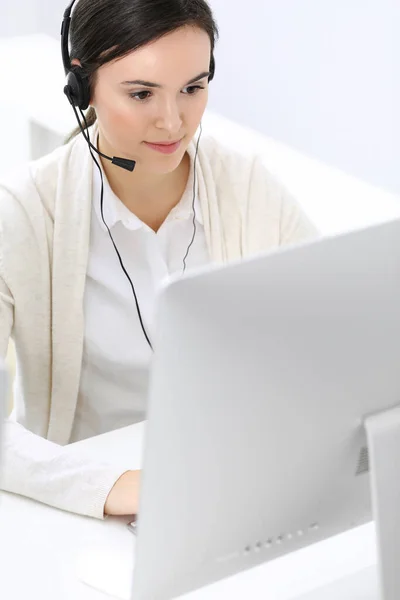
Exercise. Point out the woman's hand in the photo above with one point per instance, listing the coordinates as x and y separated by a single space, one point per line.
124 496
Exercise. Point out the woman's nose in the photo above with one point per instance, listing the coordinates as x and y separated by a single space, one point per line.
169 117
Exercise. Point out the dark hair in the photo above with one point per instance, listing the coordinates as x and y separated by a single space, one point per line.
104 30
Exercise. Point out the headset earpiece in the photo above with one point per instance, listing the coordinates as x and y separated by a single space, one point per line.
77 88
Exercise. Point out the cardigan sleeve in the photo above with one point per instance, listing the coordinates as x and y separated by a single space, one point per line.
6 315
294 226
272 215
46 472
42 470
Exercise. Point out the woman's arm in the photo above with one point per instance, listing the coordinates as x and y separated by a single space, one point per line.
39 469
295 226
273 217
6 316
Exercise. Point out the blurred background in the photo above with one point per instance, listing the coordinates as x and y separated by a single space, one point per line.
312 85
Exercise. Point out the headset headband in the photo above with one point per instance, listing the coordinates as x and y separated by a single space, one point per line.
64 38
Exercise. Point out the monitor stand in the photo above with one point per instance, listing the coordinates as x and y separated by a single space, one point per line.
383 434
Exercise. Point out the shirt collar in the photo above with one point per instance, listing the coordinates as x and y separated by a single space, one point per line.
115 211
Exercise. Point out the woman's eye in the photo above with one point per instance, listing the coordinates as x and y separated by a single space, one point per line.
195 89
139 95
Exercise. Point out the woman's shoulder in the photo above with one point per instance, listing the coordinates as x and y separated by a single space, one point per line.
242 177
243 166
34 184
222 155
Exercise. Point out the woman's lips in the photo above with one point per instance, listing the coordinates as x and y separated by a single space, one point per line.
164 148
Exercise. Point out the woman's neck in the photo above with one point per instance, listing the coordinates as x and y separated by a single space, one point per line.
150 199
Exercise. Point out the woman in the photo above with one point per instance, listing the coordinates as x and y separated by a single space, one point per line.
82 325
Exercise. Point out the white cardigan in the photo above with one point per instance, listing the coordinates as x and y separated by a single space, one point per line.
44 240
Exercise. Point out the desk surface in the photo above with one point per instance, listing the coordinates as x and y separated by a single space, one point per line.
40 549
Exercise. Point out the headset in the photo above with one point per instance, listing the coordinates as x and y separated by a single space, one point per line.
77 90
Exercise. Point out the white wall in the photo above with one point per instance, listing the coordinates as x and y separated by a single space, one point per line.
50 13
320 75
21 17
18 17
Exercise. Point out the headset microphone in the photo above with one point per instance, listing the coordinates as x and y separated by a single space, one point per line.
124 163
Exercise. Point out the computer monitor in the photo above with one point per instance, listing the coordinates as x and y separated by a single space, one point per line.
267 377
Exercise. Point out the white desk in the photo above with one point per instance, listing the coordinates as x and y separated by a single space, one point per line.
39 548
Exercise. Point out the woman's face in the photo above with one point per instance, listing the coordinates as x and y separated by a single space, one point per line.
130 114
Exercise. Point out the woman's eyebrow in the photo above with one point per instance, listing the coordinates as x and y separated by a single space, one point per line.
157 85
